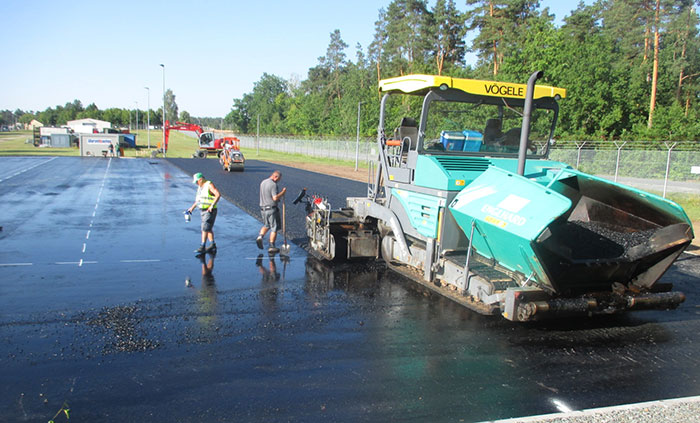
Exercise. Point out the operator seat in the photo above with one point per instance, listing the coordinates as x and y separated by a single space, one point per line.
407 132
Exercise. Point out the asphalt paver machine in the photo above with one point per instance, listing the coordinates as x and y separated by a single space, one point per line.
465 202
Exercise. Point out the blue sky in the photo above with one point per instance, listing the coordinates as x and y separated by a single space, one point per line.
213 51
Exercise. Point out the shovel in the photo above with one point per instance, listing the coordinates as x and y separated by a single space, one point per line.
284 249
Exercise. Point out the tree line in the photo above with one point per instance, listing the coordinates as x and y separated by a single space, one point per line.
631 67
135 118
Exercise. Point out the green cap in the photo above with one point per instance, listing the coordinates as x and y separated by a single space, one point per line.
196 177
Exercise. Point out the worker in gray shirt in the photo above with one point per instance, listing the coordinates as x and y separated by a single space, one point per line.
269 197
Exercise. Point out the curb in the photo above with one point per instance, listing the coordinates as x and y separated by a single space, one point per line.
652 411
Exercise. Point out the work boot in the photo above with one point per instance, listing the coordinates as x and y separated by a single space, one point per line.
259 242
201 249
273 249
211 249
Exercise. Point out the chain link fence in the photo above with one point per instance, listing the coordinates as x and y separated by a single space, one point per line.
337 149
616 160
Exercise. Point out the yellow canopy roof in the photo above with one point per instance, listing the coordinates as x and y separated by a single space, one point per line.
419 84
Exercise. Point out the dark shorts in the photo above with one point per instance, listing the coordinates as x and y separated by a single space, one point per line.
208 219
271 219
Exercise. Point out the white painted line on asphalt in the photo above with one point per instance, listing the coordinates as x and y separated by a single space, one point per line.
81 263
88 235
84 246
16 264
24 170
66 262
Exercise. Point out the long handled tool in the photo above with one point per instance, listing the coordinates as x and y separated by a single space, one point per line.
284 250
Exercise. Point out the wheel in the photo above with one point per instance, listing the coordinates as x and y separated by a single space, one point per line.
201 154
387 248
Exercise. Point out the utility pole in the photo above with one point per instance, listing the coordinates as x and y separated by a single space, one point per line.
137 115
148 117
164 146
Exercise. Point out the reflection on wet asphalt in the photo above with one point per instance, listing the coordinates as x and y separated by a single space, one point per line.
104 306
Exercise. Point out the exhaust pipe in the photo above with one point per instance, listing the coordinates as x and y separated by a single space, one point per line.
527 111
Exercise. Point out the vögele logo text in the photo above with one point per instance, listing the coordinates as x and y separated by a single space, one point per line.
504 90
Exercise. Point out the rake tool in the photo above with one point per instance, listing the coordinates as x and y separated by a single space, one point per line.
284 249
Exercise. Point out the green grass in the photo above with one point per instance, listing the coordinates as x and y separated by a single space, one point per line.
276 156
689 202
182 146
14 144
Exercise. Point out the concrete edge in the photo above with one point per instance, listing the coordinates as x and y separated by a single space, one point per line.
599 411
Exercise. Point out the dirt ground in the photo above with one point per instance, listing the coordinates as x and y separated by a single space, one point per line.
346 172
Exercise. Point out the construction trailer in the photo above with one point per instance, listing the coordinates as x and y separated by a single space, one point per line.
97 145
466 203
53 137
61 140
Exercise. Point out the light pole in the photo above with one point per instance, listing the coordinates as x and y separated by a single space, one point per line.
137 115
164 146
148 117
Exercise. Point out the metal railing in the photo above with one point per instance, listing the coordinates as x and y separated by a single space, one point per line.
348 150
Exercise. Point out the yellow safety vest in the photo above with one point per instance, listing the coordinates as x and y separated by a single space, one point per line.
204 197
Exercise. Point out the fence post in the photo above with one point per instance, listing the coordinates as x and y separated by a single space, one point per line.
668 165
617 163
578 155
357 142
257 139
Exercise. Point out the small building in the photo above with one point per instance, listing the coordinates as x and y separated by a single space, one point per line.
88 125
60 140
55 137
97 145
45 131
34 124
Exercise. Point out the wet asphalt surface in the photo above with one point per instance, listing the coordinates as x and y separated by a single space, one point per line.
104 308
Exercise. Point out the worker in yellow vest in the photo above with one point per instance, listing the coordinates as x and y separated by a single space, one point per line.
207 198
